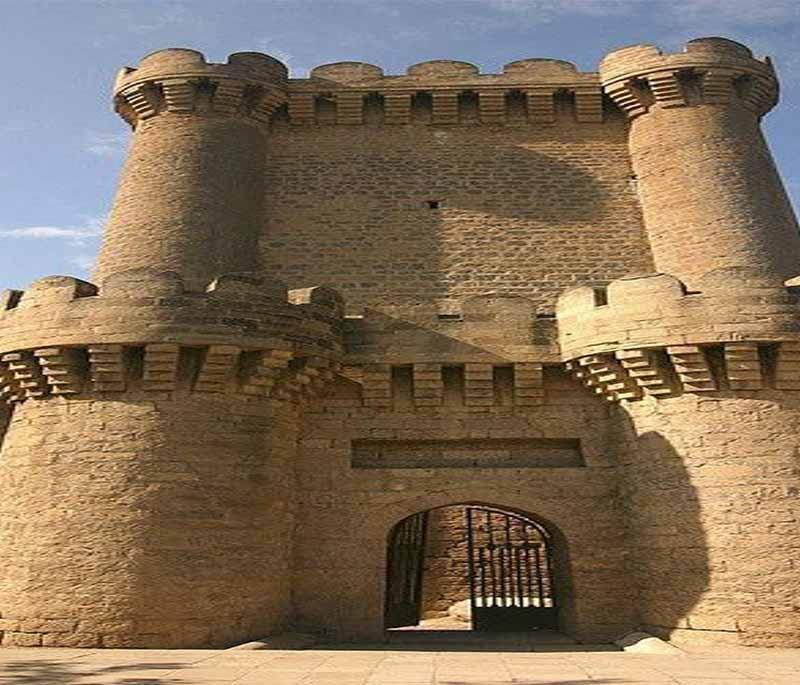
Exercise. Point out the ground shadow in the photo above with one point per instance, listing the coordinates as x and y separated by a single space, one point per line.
66 672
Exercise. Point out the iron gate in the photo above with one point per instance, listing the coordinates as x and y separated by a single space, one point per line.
510 573
404 571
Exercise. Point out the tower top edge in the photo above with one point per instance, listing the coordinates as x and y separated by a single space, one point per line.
186 62
711 52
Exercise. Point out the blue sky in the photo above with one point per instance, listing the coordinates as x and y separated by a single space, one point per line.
62 147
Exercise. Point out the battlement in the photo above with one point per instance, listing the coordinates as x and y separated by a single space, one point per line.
708 71
447 92
181 81
487 328
656 310
141 306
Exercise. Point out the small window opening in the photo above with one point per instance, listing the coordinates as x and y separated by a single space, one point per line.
433 204
450 317
600 297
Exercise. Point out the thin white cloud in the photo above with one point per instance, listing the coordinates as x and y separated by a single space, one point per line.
169 16
267 46
740 11
549 8
83 262
93 228
736 11
106 144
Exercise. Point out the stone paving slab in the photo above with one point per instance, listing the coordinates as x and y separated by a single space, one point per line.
378 665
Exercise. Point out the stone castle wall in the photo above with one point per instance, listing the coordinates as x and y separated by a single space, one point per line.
348 502
197 455
526 209
446 568
158 513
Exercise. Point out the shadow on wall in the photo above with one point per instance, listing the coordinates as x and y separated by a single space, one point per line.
483 327
668 557
418 217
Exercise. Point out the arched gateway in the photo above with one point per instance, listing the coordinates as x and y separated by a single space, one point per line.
496 562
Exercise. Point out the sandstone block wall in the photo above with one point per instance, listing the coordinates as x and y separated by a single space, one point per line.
161 520
524 208
345 514
446 568
174 474
710 490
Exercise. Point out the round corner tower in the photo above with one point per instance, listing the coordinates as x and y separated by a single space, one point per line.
147 473
147 493
190 199
702 359
710 193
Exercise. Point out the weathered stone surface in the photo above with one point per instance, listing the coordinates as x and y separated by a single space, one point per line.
326 304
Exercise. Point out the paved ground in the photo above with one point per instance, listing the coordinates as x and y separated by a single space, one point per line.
553 665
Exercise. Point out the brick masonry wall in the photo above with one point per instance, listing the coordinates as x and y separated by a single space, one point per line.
710 488
189 199
345 515
446 572
149 520
711 195
525 209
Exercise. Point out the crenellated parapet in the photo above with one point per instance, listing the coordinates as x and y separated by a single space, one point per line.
180 81
144 331
713 71
646 335
447 92
487 328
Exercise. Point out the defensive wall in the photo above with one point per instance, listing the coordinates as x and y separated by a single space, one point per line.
325 304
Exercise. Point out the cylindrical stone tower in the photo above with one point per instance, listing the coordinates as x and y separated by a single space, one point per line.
191 195
702 361
710 194
146 488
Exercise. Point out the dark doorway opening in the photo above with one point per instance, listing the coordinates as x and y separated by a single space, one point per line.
477 567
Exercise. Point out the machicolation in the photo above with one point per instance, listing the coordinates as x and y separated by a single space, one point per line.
359 345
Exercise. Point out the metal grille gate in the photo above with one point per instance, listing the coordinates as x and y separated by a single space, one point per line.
404 571
510 574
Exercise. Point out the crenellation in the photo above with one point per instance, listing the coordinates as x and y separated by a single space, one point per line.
107 368
743 366
160 369
63 368
693 368
330 304
623 71
541 105
528 383
217 368
25 377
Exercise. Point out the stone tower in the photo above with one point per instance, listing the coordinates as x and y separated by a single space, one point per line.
566 296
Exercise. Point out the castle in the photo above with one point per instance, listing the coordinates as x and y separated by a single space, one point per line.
327 306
